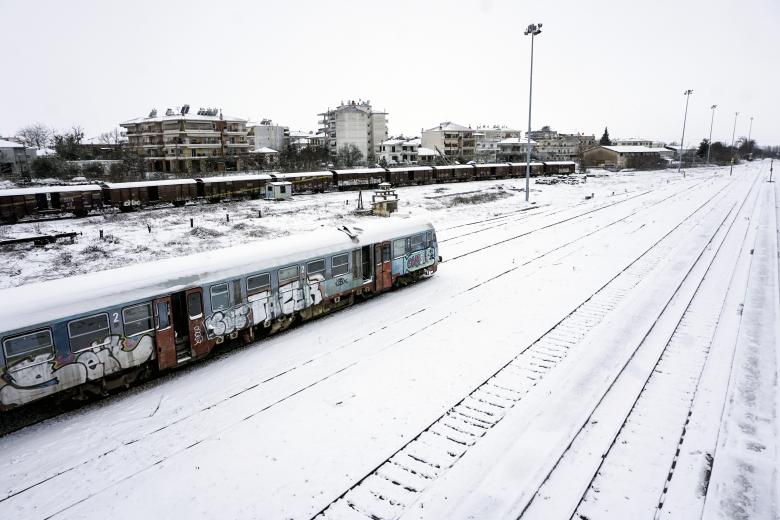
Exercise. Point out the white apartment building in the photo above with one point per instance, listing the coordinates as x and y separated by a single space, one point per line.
514 149
399 150
632 141
451 139
354 123
553 146
181 142
265 134
486 148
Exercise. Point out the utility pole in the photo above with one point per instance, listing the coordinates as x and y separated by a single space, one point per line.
709 143
687 94
733 133
750 132
533 30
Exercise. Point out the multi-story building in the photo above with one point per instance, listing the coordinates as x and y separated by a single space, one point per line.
514 149
552 146
265 134
399 150
15 159
632 141
451 140
354 123
181 142
486 149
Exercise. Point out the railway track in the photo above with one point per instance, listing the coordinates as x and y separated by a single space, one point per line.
397 483
211 406
602 468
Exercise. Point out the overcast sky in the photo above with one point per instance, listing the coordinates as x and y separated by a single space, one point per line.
597 63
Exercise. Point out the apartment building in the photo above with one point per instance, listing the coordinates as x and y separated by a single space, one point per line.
399 150
554 146
487 139
354 123
182 142
514 149
451 139
266 134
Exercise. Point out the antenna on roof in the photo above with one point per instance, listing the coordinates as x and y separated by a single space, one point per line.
153 113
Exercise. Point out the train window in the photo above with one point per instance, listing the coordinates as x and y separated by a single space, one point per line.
288 274
316 267
386 252
194 305
91 331
258 283
220 298
429 237
236 292
340 264
36 346
137 319
417 241
163 319
399 248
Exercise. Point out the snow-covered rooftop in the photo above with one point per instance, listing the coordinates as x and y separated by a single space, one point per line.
423 151
263 150
10 144
631 149
449 126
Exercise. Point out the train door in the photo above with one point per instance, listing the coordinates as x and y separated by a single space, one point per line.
165 337
196 319
383 266
41 201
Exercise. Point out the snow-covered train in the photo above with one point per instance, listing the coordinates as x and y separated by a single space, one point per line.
103 330
79 200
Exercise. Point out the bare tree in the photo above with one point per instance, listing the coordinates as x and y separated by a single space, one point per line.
35 136
349 155
111 137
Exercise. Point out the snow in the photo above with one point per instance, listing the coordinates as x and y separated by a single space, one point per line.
632 149
10 144
49 189
284 427
243 177
143 184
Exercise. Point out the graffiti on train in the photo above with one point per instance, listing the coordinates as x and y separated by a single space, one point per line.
43 374
420 259
227 321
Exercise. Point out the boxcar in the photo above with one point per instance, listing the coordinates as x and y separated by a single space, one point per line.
308 182
102 329
537 168
128 196
411 175
17 203
358 178
454 172
559 167
232 187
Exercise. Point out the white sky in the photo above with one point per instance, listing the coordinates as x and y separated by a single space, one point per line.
617 63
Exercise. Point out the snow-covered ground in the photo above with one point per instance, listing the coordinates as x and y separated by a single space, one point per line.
608 357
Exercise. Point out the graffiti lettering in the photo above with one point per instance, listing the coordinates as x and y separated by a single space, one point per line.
198 334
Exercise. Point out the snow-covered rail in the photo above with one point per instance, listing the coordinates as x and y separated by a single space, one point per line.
394 485
621 461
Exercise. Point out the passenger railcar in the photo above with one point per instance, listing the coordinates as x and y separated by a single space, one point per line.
79 200
129 196
101 330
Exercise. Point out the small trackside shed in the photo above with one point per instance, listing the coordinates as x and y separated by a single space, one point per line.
618 157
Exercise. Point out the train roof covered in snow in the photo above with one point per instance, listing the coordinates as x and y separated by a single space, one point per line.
44 302
48 189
